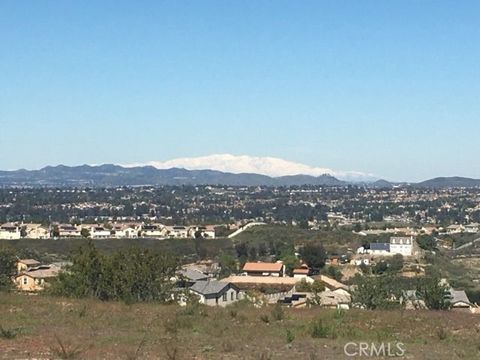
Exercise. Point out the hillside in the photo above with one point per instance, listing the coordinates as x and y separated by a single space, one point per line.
114 175
449 182
44 327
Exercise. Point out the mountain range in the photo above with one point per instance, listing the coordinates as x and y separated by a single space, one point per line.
115 175
221 169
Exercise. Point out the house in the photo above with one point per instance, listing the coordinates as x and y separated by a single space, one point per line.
154 230
380 249
67 230
216 293
332 284
25 264
472 228
10 232
36 278
335 300
302 272
125 231
178 231
459 300
264 269
207 232
188 277
401 245
99 232
37 231
454 229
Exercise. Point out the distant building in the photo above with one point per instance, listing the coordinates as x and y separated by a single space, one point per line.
401 245
379 249
264 269
67 230
302 272
99 232
216 293
36 278
25 264
10 232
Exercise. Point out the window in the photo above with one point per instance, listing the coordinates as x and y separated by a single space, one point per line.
224 297
231 297
25 281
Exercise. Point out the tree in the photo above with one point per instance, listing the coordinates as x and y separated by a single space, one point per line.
228 265
291 262
313 255
8 263
434 293
85 233
131 275
396 263
427 242
377 292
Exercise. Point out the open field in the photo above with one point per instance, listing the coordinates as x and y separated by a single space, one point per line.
87 329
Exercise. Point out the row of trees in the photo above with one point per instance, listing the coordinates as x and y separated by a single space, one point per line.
386 292
131 275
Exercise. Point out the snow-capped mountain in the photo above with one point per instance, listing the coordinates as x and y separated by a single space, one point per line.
269 166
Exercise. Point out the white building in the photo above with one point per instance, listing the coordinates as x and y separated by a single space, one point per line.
99 232
10 232
401 245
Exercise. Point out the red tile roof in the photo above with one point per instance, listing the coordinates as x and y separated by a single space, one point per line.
263 267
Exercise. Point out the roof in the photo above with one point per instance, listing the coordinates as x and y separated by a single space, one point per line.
209 287
192 274
458 296
331 283
262 266
301 271
380 246
401 240
330 298
264 280
41 272
29 261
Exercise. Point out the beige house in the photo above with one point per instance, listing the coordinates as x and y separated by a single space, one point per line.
37 231
25 264
37 278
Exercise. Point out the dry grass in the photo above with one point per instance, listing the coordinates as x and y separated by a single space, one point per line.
88 329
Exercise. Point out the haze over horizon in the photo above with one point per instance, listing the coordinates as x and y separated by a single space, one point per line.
390 89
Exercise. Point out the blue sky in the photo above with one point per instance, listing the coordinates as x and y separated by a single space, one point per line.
384 87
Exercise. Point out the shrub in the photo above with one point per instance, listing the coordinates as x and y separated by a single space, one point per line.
290 336
265 318
277 313
8 334
319 330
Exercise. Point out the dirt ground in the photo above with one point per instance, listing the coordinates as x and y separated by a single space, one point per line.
39 327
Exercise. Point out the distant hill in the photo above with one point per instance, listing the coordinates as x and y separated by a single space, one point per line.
114 175
446 182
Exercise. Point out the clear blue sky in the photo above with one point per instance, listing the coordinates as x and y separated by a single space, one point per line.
385 87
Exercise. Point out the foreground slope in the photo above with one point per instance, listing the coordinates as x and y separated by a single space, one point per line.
86 329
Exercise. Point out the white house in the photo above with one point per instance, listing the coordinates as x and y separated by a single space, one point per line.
99 232
67 230
154 230
401 245
178 231
10 232
125 231
216 293
207 232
